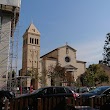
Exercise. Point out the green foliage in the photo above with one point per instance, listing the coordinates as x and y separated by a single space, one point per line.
106 53
56 72
11 74
32 73
43 78
59 75
95 75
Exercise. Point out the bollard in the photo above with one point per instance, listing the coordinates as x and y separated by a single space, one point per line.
12 104
50 103
92 101
39 104
80 101
54 102
6 104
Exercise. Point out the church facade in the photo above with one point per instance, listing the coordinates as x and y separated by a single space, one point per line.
34 64
66 57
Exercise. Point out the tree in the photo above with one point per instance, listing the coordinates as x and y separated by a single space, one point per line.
11 79
33 73
57 74
106 54
43 78
11 74
94 75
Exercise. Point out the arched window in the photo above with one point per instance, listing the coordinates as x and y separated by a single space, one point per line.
35 41
30 39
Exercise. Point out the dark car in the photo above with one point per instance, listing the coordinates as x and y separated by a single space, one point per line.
55 95
97 92
7 94
102 90
83 89
54 91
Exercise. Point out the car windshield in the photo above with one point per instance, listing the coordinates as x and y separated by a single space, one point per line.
74 89
83 89
99 90
38 90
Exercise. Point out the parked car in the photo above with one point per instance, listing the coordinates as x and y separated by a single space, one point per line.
74 90
54 91
7 94
97 91
91 88
82 89
51 97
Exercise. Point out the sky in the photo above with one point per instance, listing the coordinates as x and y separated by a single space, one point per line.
83 24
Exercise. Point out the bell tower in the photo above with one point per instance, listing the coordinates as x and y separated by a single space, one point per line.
31 54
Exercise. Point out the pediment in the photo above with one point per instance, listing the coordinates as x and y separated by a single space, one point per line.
70 67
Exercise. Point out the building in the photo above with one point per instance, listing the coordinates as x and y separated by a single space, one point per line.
31 54
66 57
32 63
9 15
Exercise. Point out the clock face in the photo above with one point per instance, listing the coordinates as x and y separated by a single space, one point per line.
67 59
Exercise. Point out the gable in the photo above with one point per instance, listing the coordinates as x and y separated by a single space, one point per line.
32 30
53 51
68 47
51 54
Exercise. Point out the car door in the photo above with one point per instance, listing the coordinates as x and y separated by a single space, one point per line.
59 91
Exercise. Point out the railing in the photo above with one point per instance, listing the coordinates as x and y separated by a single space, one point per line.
47 103
56 103
92 102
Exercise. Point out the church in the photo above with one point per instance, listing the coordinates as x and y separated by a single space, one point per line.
34 65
